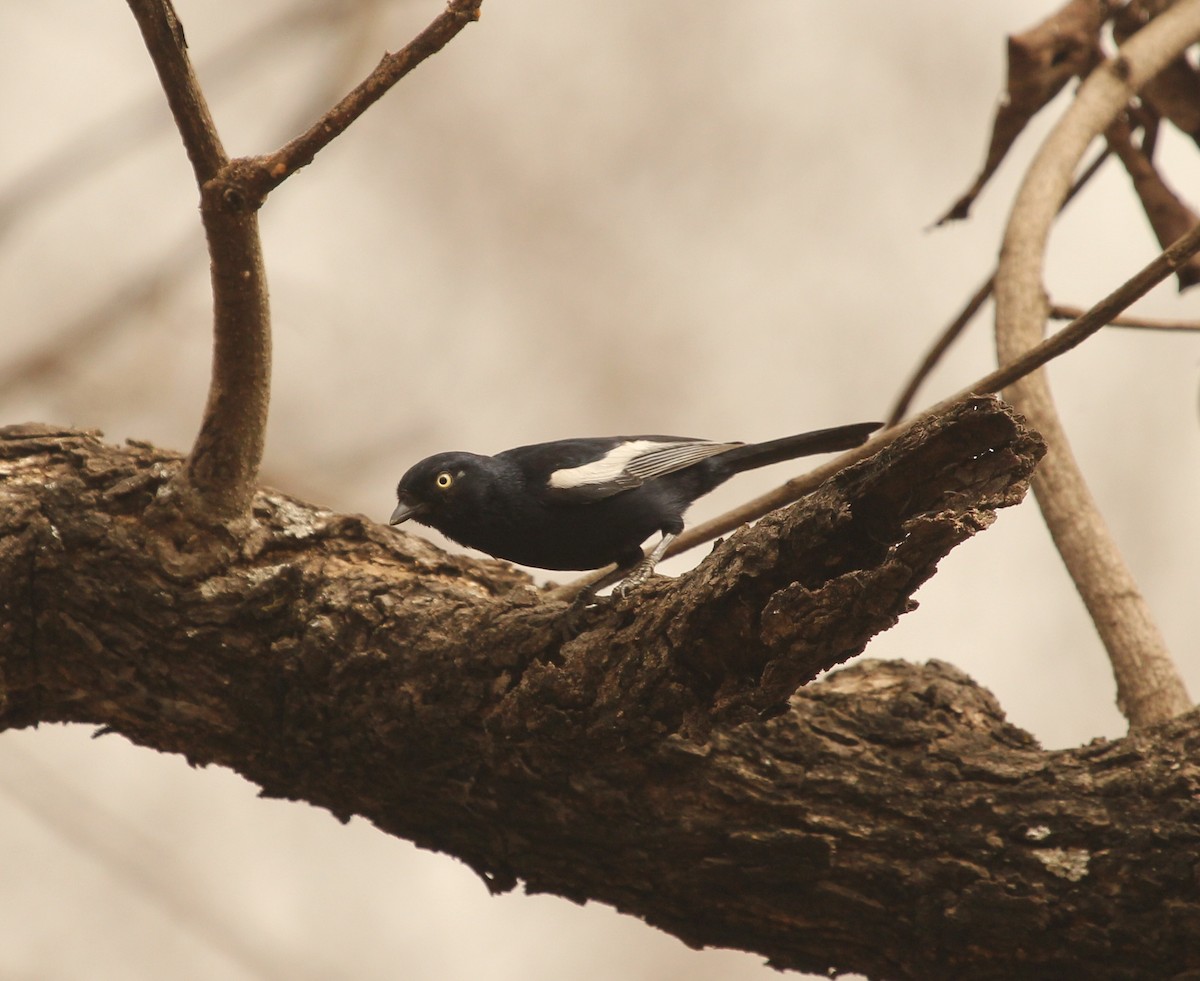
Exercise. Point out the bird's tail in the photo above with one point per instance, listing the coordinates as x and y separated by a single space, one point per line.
754 455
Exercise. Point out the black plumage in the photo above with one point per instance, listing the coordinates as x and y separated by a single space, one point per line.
583 503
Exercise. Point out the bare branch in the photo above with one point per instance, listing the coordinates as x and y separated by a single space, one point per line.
163 34
263 174
1148 686
219 479
954 330
1074 334
218 482
1063 312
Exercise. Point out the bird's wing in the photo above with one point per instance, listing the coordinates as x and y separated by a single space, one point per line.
630 463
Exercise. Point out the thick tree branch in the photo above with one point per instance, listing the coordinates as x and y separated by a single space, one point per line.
889 821
1148 687
332 660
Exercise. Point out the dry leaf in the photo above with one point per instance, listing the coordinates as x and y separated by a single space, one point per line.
1168 215
1041 61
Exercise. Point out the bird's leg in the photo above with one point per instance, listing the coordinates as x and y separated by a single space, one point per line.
642 571
639 572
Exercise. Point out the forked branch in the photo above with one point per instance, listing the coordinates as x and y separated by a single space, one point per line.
218 480
267 172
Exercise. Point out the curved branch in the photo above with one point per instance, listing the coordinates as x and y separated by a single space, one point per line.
1148 687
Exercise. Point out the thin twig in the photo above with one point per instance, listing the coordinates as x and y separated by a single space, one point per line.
1149 688
956 326
1061 312
1071 336
264 173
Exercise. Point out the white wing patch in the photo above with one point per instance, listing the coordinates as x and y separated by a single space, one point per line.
632 463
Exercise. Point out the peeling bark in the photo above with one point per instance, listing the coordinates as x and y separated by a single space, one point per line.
885 819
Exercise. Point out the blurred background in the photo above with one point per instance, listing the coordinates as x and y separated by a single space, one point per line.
707 218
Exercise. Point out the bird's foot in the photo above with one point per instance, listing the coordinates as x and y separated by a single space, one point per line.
641 572
645 568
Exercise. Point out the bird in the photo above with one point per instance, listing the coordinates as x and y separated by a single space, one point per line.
582 504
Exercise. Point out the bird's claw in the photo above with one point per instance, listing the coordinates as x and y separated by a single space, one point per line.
633 581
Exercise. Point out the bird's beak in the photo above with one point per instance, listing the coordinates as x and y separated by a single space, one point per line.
405 510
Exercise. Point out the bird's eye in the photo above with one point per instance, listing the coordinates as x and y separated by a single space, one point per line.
444 480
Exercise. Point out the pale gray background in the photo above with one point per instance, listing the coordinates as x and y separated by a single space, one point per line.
582 218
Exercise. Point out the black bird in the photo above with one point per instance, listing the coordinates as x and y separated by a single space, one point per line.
583 503
580 504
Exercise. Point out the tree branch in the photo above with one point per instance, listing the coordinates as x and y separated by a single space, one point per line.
887 821
163 35
218 481
1075 333
954 329
871 536
217 484
1148 687
263 174
1059 311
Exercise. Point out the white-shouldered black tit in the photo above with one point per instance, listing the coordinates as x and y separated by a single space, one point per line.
579 504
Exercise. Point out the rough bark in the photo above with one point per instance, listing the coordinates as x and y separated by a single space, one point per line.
885 820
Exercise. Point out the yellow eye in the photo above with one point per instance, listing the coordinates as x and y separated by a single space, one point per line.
443 480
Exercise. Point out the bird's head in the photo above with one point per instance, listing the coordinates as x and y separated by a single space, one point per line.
431 489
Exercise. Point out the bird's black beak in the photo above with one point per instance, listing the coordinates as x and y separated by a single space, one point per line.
404 510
